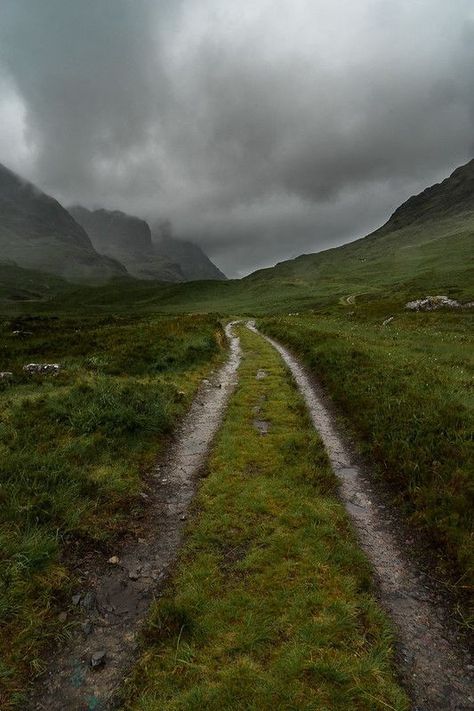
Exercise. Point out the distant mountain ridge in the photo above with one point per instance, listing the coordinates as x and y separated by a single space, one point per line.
128 239
146 255
36 232
426 247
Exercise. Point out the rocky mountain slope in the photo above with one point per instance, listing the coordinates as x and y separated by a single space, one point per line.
146 256
128 239
454 195
195 264
36 232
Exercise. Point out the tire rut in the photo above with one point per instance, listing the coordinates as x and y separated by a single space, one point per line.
435 669
85 674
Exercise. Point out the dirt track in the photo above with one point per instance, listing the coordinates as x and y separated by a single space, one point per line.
433 667
117 598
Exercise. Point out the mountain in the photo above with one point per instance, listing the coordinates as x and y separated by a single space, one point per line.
128 239
427 246
453 196
194 263
37 233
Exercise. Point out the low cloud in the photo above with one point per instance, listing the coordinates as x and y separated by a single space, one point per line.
261 129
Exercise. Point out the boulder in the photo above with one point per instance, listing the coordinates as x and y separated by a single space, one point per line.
431 303
42 368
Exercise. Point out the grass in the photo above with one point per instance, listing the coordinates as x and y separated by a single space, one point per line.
405 393
73 452
271 605
19 285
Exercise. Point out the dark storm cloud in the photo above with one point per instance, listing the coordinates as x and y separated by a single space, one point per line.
263 129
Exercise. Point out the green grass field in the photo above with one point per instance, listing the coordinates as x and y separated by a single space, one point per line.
271 604
73 452
404 392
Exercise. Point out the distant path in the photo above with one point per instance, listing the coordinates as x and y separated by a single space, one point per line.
117 598
436 671
351 298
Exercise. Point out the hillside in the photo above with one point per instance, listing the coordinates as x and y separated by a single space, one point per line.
19 285
128 239
36 232
426 245
453 196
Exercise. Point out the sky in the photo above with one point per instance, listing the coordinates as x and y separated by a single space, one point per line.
263 129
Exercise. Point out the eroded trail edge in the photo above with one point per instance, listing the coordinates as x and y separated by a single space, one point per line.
437 673
118 600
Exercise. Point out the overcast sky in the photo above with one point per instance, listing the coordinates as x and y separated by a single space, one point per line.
262 128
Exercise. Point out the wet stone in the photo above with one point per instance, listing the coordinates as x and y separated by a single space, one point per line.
89 601
262 426
86 627
98 659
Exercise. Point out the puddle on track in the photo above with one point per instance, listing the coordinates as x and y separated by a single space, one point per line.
436 672
119 598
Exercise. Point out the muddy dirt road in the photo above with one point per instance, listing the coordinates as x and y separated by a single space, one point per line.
84 675
437 673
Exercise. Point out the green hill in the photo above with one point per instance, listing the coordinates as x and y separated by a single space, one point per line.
427 245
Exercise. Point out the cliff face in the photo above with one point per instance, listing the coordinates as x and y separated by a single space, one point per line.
129 240
194 263
36 232
115 231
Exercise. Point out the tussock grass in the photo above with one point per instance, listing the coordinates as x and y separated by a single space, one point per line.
271 604
73 449
405 393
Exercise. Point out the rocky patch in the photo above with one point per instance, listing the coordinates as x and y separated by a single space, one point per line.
42 368
432 303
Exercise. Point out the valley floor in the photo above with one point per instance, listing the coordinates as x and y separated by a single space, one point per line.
271 603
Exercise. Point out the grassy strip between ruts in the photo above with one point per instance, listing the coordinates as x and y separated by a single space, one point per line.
406 393
73 449
271 604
